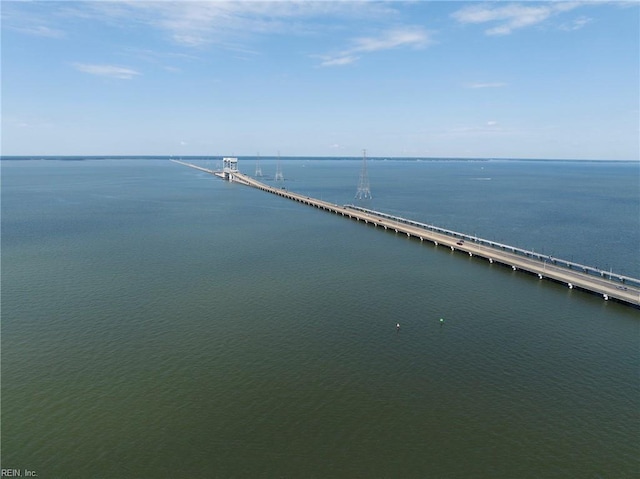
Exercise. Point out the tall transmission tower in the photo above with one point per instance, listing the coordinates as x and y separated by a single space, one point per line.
364 192
279 175
258 169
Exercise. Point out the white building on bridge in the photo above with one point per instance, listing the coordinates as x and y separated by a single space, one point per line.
229 168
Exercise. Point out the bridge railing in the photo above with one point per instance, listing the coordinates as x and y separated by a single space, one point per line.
626 280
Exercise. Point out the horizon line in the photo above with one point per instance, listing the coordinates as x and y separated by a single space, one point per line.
303 157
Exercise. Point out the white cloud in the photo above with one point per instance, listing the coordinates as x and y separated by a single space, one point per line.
414 37
408 37
42 31
225 23
20 122
109 71
576 24
29 21
338 60
511 17
235 25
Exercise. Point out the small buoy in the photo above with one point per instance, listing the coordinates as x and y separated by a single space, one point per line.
397 325
441 320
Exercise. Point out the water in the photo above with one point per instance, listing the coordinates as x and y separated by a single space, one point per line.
158 322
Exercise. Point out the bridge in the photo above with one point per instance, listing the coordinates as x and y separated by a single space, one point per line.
608 285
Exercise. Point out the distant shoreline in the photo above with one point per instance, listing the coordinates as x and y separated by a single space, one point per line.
294 158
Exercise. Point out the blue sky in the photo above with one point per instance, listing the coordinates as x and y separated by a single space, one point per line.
419 79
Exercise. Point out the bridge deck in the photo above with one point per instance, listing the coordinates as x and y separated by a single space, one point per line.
610 286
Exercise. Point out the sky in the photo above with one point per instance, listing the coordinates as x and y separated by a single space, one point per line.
550 80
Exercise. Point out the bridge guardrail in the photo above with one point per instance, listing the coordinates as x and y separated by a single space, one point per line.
622 279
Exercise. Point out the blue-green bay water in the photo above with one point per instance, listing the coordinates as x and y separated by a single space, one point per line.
159 322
